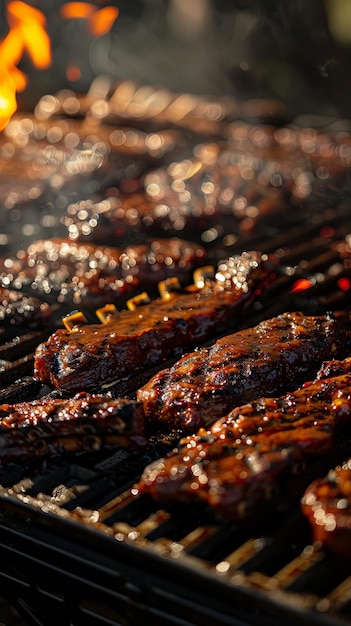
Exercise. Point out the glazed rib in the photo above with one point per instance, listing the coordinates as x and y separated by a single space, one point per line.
91 275
235 466
18 308
86 422
167 213
100 354
274 356
327 505
253 176
334 368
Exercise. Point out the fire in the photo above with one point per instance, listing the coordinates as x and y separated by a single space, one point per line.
27 34
99 20
8 104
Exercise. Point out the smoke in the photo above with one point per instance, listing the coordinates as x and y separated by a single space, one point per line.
173 44
254 48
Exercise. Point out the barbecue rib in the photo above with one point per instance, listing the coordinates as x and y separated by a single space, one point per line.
162 211
230 186
236 465
18 308
276 355
73 272
86 422
334 368
327 505
94 355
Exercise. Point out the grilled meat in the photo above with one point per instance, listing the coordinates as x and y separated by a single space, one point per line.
94 355
276 355
86 422
170 213
327 505
231 187
334 368
18 308
32 160
94 275
235 467
209 191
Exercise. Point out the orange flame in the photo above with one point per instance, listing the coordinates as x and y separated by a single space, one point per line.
27 34
8 104
99 20
77 10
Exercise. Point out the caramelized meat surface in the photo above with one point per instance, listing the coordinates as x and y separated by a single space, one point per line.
249 178
170 207
90 356
276 355
235 466
86 422
18 308
334 368
327 505
77 273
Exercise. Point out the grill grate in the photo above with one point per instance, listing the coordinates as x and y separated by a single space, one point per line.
277 569
174 566
122 560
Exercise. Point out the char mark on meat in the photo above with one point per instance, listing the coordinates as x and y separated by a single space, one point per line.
236 467
274 356
131 342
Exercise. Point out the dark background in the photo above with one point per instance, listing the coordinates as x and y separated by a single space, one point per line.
296 50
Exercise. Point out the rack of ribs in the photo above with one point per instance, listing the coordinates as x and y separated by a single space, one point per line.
236 466
276 355
47 414
90 356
